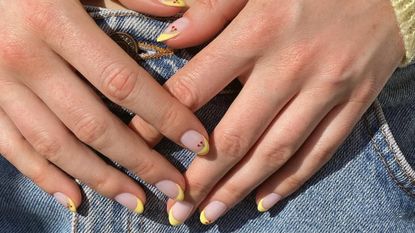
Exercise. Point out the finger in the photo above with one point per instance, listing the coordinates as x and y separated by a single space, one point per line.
233 137
146 131
44 174
92 123
51 140
275 147
201 22
317 151
155 7
115 74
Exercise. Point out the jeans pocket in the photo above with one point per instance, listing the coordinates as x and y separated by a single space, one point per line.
388 150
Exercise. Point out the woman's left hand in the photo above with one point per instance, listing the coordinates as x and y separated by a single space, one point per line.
310 70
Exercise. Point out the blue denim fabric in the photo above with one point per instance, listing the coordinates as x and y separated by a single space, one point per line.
368 186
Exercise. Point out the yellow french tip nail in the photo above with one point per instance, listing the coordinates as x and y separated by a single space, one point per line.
261 206
176 3
205 149
203 218
139 209
172 220
65 201
180 195
166 36
71 205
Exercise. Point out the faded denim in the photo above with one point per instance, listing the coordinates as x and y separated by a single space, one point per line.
368 186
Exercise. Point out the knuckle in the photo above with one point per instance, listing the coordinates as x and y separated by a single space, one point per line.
47 145
294 182
277 155
119 82
235 191
101 184
42 15
38 175
168 118
91 130
184 90
13 53
231 144
209 4
144 169
199 189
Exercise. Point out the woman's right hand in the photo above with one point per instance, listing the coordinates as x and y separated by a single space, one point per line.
49 117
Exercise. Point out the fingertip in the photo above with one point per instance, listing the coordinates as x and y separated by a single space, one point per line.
153 7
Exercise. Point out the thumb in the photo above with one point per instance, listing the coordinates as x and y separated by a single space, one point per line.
201 22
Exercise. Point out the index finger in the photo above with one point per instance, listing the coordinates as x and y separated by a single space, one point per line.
69 30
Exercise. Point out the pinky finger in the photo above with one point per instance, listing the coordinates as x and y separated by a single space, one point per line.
315 152
15 149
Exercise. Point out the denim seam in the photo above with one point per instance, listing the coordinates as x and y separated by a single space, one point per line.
383 159
393 146
74 223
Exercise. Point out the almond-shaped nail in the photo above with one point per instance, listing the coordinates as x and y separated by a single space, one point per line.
176 3
65 201
212 212
179 212
173 30
195 142
131 202
171 189
268 202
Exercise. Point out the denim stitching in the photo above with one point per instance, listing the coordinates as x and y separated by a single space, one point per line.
381 156
143 50
74 223
160 51
391 149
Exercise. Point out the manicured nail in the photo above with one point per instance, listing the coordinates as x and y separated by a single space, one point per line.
176 3
173 29
268 202
179 212
195 142
131 202
212 212
65 201
171 189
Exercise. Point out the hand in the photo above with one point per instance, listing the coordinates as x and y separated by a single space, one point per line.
47 114
310 70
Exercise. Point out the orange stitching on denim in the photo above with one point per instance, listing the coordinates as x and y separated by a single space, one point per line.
150 51
381 156
160 52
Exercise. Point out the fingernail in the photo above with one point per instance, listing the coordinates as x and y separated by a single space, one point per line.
195 142
176 3
212 212
171 189
268 202
65 201
179 212
131 202
173 29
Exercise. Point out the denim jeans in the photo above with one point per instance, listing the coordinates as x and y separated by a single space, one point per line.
368 186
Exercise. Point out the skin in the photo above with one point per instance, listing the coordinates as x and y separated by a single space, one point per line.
310 69
49 116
